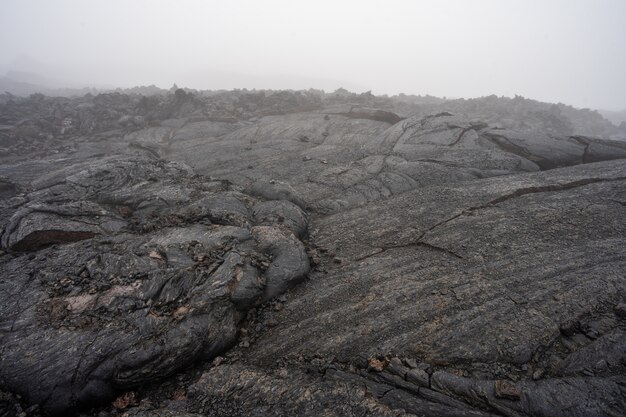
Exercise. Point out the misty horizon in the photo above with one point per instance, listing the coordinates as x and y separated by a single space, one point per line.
560 51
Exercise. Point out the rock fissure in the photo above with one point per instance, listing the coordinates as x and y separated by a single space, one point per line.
584 158
520 193
458 139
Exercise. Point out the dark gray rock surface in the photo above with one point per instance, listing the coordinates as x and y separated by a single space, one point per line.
298 253
133 269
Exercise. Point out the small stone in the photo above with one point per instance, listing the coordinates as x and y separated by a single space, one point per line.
155 255
128 399
306 158
601 365
323 161
376 365
620 310
424 366
418 377
125 211
181 312
395 366
218 361
411 363
58 309
507 389
179 394
278 306
338 260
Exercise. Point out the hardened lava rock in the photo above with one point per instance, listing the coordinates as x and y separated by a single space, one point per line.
121 271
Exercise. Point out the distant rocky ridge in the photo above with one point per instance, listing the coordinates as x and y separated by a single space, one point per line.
257 253
53 118
618 118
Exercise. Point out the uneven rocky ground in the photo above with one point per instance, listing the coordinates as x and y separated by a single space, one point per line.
281 253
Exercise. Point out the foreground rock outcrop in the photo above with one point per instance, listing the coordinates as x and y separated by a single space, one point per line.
133 269
285 254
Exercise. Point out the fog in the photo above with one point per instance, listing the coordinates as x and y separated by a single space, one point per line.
557 51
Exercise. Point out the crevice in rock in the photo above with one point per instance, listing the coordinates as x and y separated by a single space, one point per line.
144 148
406 126
421 133
458 139
386 392
434 116
550 188
429 246
43 238
382 249
522 192
448 164
508 146
378 116
584 158
376 251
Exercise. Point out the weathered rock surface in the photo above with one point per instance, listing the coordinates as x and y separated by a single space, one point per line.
513 283
467 257
133 269
328 162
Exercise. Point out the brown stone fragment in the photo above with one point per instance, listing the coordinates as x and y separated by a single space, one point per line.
155 255
125 211
180 394
376 364
507 389
181 312
127 399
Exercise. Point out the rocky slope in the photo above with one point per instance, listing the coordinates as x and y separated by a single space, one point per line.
301 253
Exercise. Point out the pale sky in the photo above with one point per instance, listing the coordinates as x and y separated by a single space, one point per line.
572 51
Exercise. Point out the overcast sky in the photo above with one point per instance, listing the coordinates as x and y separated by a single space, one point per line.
572 51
